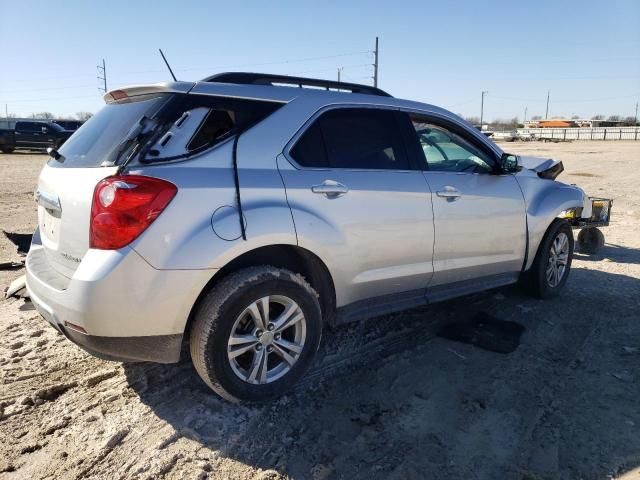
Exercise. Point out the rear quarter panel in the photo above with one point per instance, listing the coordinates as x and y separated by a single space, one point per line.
184 235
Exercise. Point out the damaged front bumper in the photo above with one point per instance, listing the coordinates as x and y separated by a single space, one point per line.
595 213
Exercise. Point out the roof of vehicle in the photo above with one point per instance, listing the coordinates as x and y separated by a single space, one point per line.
246 78
280 88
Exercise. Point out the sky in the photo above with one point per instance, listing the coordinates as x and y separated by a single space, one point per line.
586 53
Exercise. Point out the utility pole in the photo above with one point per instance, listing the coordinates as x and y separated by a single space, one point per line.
546 115
636 120
102 75
525 115
484 92
6 111
339 71
375 65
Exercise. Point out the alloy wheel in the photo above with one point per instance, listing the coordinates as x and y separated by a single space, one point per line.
267 339
558 259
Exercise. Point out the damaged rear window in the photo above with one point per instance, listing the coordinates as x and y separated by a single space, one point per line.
190 124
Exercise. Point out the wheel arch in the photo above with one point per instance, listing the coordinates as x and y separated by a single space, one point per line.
544 208
291 257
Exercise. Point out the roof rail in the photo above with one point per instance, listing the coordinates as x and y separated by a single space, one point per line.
270 79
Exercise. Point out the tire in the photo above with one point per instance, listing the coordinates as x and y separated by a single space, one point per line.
536 280
7 149
590 240
230 309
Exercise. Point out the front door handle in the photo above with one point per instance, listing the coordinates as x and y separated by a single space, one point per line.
330 189
449 193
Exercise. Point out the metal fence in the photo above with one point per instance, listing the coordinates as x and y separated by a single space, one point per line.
604 133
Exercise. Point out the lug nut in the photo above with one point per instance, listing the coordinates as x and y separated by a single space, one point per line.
269 349
270 327
277 336
258 347
258 333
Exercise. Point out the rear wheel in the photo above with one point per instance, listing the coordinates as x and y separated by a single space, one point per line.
255 333
550 270
7 149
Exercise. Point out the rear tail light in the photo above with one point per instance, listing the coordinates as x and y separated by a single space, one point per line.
124 206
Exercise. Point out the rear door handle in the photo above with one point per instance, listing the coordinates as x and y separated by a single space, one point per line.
449 193
330 189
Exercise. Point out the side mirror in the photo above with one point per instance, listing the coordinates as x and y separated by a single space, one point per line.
509 163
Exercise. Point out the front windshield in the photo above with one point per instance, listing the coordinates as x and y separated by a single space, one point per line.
55 126
98 140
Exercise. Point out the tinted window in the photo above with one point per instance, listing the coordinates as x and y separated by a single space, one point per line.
27 126
446 151
353 138
363 138
310 151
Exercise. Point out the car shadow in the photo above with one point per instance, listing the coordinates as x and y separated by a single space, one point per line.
433 408
613 253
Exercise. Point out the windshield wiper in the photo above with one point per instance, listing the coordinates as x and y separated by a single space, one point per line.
53 153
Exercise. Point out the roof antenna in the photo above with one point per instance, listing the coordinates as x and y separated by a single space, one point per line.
168 66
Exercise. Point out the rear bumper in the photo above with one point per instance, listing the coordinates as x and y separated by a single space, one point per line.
155 348
117 306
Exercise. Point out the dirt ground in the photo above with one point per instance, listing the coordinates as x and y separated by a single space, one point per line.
385 399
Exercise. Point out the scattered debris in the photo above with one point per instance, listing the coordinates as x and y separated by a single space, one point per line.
622 376
459 355
17 288
485 331
11 265
20 240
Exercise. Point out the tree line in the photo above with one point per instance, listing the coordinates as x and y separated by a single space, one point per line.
513 123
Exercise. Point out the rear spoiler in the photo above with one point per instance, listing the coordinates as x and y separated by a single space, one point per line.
114 96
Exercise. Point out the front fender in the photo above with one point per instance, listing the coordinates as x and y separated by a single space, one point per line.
545 200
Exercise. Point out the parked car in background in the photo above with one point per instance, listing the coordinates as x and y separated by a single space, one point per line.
33 135
70 125
245 212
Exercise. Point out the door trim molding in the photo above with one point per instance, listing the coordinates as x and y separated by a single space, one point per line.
395 302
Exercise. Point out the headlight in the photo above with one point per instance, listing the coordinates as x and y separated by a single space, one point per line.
569 214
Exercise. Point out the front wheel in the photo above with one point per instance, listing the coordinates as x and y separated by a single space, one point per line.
256 333
550 270
7 149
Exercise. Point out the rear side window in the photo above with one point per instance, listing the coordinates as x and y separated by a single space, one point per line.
353 138
192 123
310 151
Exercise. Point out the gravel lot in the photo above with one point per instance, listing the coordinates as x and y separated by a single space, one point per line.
387 399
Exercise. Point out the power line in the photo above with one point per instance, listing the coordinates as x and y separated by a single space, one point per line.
331 69
45 89
261 64
50 98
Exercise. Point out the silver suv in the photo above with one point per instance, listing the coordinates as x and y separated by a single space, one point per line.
246 211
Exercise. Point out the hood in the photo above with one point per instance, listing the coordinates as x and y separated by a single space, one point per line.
544 167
